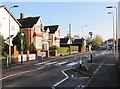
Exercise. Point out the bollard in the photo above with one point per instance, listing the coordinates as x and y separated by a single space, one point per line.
80 64
7 62
91 57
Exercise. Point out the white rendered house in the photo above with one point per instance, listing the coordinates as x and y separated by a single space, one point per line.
8 23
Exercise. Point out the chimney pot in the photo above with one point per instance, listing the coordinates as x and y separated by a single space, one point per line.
21 15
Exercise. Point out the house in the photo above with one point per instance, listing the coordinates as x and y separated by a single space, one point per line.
79 43
9 25
54 35
34 31
64 42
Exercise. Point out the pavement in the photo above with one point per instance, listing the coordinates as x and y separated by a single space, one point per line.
106 74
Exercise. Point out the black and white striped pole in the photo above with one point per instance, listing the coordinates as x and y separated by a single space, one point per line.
90 33
80 63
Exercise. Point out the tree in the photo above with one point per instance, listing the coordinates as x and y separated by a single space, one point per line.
2 46
17 41
1 42
97 41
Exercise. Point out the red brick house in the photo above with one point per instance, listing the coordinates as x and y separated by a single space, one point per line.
34 30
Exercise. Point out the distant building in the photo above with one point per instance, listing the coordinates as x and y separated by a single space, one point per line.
64 42
79 43
8 22
54 35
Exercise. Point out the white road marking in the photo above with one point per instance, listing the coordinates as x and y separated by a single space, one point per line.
7 77
21 73
42 63
72 64
50 63
61 63
63 79
84 77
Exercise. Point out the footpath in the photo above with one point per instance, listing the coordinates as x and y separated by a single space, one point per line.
106 75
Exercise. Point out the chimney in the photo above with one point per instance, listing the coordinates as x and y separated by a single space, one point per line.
21 15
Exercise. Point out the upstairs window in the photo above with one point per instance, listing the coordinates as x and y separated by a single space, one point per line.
37 29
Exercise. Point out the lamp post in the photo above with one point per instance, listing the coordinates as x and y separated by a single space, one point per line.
9 35
82 29
22 34
116 30
113 32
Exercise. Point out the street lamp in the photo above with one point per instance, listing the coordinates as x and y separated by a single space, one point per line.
113 32
116 30
9 35
82 29
22 35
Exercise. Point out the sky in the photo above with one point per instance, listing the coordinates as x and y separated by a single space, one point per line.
78 14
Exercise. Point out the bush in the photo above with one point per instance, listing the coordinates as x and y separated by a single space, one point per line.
32 48
17 41
53 48
43 50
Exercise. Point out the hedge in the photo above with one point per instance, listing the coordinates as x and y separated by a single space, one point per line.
63 50
74 48
66 49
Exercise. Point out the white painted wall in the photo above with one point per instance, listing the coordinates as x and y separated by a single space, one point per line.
4 24
69 41
23 56
38 42
39 26
42 54
32 57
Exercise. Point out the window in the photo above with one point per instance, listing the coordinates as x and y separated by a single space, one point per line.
37 29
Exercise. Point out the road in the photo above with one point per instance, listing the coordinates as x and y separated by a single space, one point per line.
51 74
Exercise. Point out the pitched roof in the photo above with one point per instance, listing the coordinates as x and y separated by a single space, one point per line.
64 40
77 41
52 28
28 22
10 14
